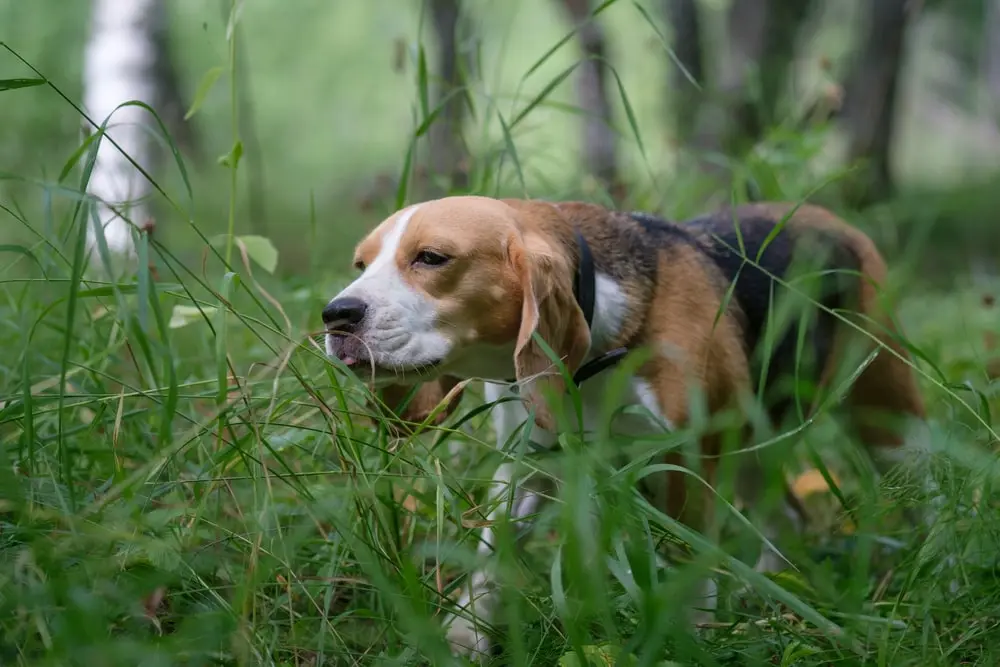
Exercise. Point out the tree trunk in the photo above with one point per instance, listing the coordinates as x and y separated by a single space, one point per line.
991 54
448 152
870 105
688 73
762 36
171 102
599 141
123 61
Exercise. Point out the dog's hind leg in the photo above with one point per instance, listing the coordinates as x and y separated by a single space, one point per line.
885 411
768 502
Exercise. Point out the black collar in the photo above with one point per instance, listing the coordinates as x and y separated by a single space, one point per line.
585 280
585 291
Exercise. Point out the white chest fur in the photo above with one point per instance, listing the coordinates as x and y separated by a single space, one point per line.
600 394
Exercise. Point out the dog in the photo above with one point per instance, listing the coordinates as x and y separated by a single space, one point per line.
462 287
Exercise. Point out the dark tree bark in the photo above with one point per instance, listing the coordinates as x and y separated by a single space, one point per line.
741 98
762 38
870 105
688 73
599 141
785 21
448 151
991 53
172 102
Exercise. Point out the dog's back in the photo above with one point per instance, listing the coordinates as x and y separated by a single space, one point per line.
759 250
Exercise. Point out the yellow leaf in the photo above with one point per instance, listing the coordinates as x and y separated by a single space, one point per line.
810 482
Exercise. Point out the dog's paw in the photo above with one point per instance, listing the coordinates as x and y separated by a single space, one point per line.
769 562
701 613
468 640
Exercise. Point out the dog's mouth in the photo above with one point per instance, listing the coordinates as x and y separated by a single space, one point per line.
350 351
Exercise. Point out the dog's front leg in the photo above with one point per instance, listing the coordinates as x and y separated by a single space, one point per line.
478 603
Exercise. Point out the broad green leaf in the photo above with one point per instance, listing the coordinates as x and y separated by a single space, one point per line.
232 158
181 316
204 87
261 250
162 554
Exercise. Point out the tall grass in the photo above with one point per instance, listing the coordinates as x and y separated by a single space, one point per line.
187 480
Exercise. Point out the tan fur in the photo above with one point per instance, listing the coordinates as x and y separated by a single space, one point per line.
696 353
888 385
549 309
427 399
479 292
512 277
557 220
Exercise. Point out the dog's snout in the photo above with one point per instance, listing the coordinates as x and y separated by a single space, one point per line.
344 314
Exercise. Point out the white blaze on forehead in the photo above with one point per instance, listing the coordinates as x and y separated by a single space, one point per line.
390 243
383 273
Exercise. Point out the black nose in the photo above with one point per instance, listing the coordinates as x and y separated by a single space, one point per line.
344 314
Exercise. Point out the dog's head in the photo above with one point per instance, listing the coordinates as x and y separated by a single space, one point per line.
457 287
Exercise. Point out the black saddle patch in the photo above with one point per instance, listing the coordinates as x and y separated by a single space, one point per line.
756 292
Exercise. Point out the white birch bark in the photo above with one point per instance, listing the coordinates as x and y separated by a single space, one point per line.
120 61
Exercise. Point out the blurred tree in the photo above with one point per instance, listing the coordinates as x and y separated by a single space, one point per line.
127 58
448 150
171 101
762 37
870 106
599 141
991 54
688 73
742 97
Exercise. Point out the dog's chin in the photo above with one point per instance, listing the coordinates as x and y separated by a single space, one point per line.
381 376
378 372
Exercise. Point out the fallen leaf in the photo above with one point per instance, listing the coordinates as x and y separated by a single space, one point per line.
181 316
810 482
151 603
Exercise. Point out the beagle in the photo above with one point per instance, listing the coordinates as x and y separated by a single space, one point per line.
463 287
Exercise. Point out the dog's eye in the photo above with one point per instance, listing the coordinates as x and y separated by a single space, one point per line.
430 258
359 265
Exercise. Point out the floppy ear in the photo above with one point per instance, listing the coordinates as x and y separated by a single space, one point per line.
427 398
549 308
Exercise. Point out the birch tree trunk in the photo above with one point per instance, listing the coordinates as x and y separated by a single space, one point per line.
120 64
599 141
